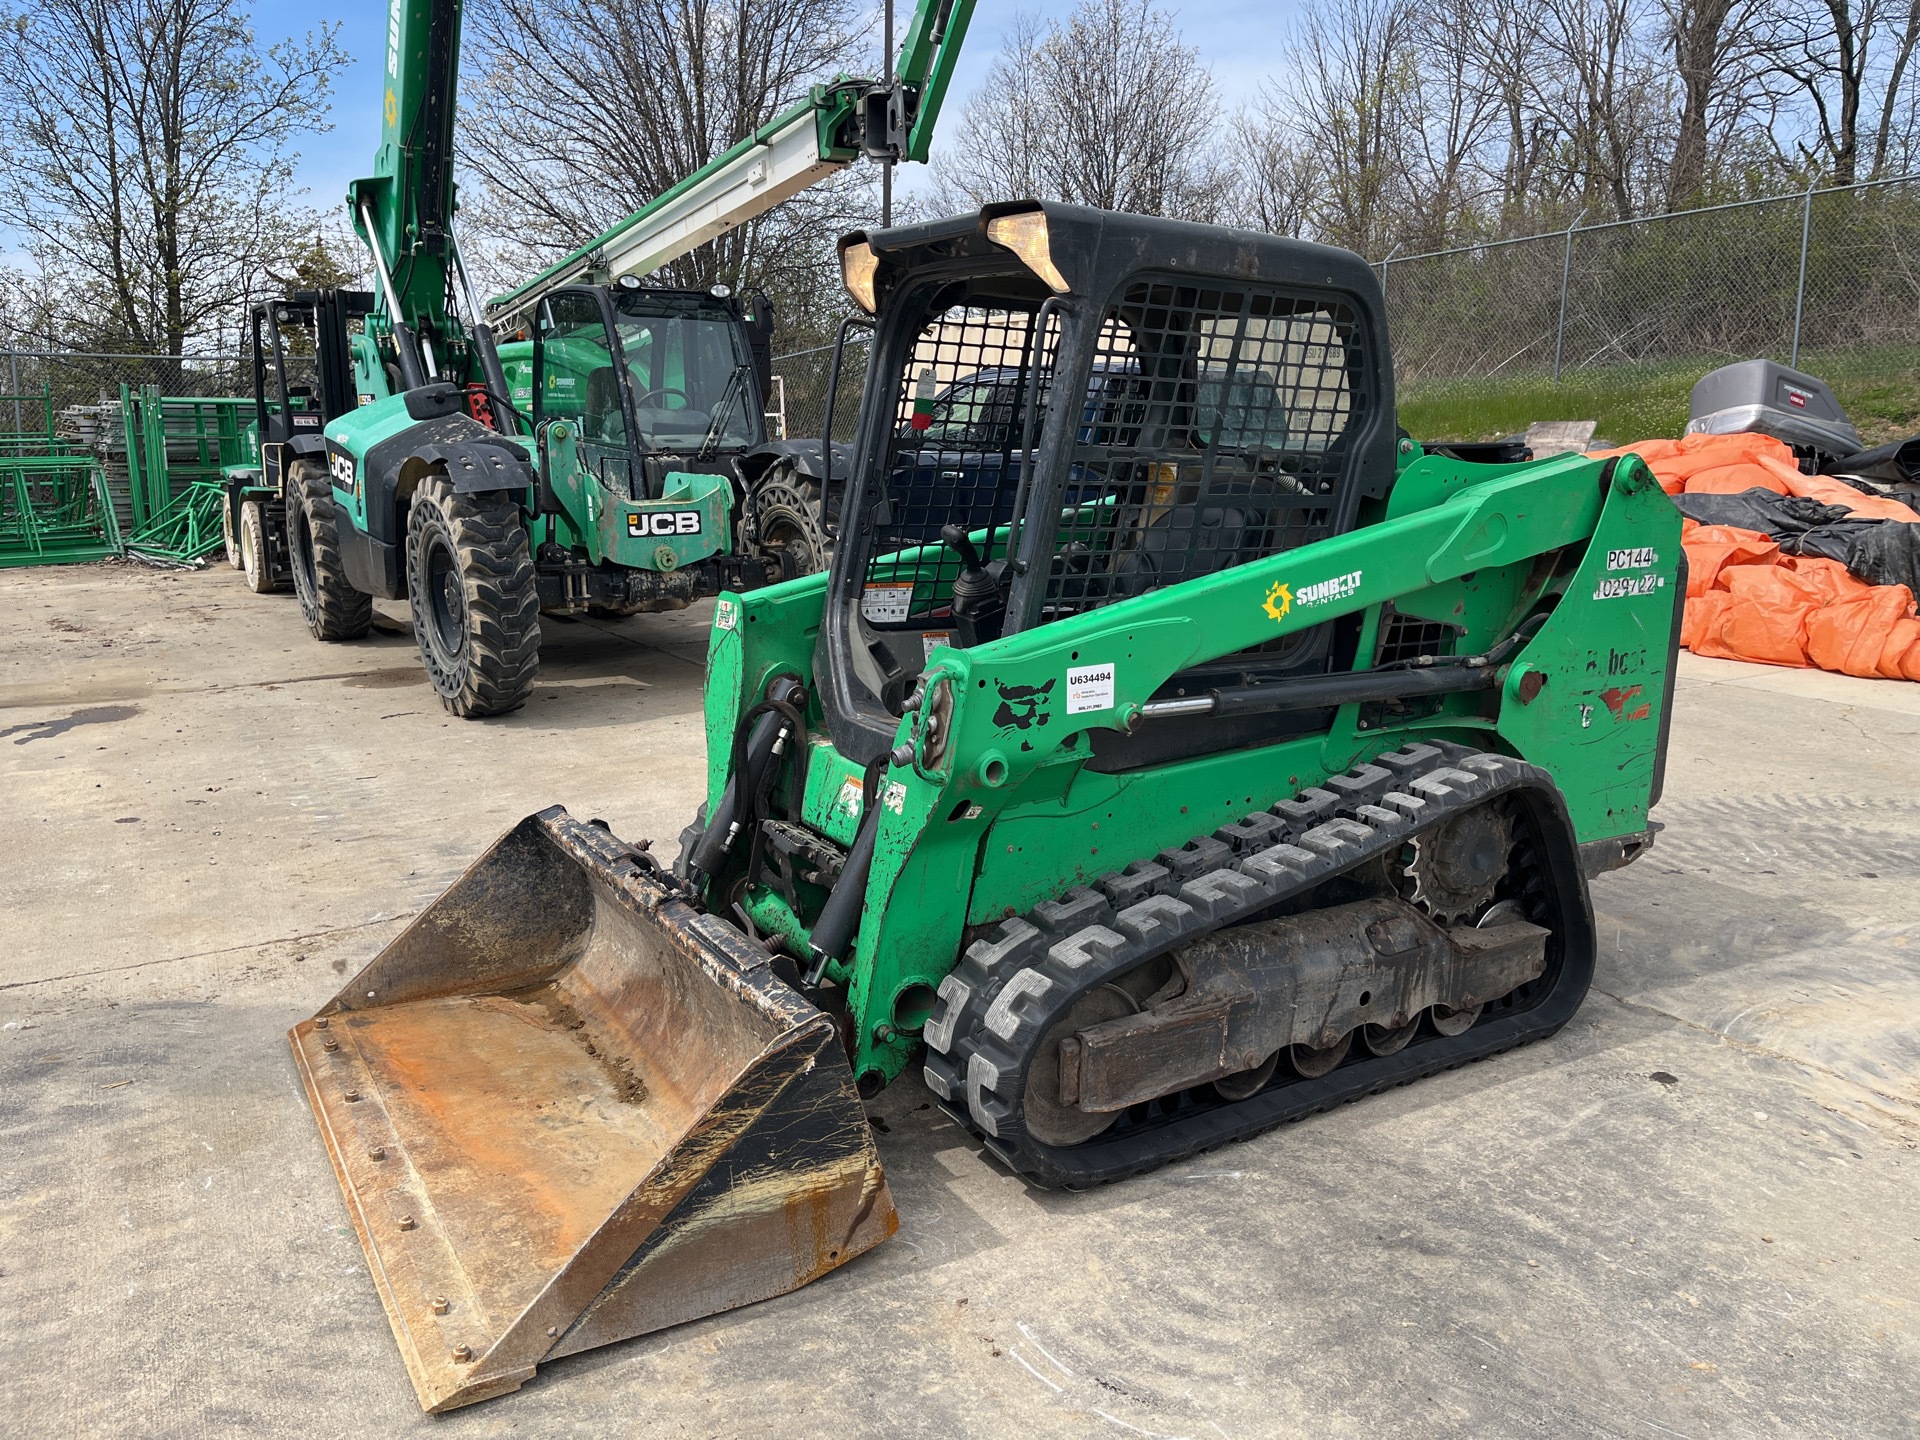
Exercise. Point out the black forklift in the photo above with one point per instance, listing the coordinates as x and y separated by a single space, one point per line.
303 376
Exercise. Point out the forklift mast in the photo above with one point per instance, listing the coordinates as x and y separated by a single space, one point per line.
327 314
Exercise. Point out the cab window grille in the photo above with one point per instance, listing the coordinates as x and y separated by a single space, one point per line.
954 456
1214 430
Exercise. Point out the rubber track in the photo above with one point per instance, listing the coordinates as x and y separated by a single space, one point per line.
1013 986
336 610
502 653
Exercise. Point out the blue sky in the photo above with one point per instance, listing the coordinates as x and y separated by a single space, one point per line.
1237 38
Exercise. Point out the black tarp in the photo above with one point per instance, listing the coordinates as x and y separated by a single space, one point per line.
1878 552
1891 470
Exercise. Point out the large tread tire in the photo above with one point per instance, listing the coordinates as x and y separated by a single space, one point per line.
476 606
332 607
789 522
253 549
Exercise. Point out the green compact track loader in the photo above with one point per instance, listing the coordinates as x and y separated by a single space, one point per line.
1179 752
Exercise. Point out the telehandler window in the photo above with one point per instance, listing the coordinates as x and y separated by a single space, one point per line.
690 371
578 382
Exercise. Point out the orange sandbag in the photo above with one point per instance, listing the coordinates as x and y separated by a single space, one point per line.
1828 577
1829 491
1851 635
1728 464
1739 476
1701 616
1712 548
1676 462
1900 656
1747 601
1765 618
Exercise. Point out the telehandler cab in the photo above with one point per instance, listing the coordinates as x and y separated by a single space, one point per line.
1211 758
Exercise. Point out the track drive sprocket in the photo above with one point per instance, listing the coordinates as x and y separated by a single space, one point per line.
1452 871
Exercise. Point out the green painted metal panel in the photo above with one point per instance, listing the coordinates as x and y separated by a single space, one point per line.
1015 815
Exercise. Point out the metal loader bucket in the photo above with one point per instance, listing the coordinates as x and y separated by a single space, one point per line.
567 1108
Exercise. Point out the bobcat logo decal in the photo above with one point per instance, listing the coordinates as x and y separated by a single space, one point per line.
1024 706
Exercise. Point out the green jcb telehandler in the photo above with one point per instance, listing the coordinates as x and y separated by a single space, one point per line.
1204 756
617 460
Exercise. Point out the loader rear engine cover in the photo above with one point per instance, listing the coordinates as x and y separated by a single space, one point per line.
1172 750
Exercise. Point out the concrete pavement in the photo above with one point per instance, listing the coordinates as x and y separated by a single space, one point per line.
1691 1213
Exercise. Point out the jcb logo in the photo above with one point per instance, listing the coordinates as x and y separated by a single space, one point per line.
663 522
342 467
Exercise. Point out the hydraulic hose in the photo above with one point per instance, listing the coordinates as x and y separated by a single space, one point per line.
750 764
840 916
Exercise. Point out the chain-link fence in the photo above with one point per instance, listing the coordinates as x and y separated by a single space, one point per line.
36 381
802 380
1823 270
1819 272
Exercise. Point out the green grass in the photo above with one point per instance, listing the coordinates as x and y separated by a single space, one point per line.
1879 388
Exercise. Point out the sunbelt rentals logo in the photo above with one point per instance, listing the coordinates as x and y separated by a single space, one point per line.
1324 592
1282 598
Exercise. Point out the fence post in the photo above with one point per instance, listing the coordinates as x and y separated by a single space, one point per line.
1800 287
1383 282
1566 274
13 371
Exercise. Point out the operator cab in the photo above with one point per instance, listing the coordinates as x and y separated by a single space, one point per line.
1215 421
655 380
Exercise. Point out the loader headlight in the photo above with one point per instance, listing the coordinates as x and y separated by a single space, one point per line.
859 268
1026 236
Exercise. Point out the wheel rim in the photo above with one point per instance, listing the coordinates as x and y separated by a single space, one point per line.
1245 1084
1454 1022
247 560
1385 1040
301 543
446 599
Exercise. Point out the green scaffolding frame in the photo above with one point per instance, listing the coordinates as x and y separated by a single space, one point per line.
57 507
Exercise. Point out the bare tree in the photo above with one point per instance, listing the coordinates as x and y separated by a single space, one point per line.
145 154
1720 59
1108 109
654 89
1280 180
1612 101
1346 106
1851 61
1451 115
